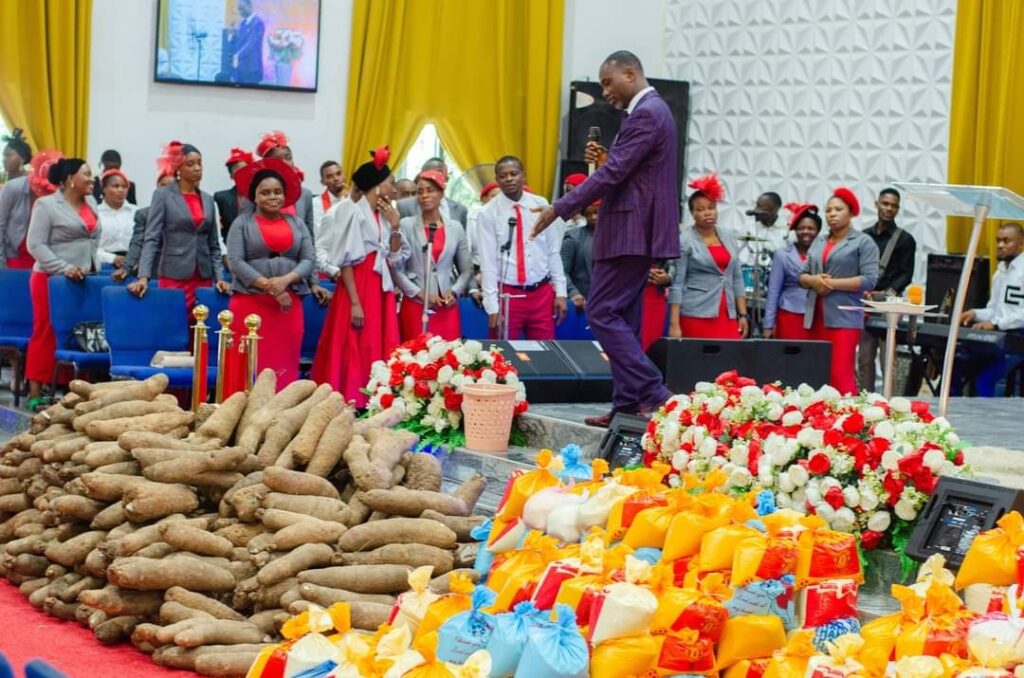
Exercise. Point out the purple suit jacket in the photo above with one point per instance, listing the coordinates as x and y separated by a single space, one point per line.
638 185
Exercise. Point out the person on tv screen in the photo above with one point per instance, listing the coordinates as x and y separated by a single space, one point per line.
247 46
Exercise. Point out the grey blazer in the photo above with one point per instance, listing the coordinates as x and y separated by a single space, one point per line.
454 261
173 240
249 257
409 207
698 283
303 210
58 239
578 260
854 255
15 205
131 260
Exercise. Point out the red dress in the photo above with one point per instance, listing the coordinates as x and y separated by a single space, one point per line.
655 310
721 326
280 346
844 340
790 325
191 284
442 321
345 354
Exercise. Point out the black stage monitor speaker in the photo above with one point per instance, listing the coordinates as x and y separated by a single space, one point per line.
621 446
955 514
560 371
684 362
944 278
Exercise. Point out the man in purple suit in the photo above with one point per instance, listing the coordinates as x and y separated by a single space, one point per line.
638 224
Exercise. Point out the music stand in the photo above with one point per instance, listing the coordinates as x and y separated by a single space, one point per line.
979 202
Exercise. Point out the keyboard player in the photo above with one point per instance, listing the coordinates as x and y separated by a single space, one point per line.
1004 312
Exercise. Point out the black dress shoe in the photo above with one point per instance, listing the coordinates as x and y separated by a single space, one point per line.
601 421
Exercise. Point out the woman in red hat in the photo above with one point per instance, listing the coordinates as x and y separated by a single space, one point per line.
838 271
181 245
445 246
362 324
271 257
707 298
786 299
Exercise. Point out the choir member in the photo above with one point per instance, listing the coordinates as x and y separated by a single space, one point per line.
181 246
271 257
787 299
17 154
511 262
444 242
839 269
333 180
63 237
111 160
707 298
362 323
117 217
229 201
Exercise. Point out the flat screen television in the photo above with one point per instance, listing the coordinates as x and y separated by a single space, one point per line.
263 44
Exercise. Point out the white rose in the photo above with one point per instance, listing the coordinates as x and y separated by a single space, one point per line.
408 382
948 468
715 462
934 459
464 356
885 429
941 423
512 378
751 393
708 447
829 482
679 460
704 387
879 521
488 377
891 460
873 414
437 349
715 405
473 346
740 478
786 483
799 475
670 434
674 481
774 412
829 393
813 494
764 473
445 374
827 513
868 501
905 510
739 454
774 397
805 390
851 497
844 520
899 404
800 500
810 437
782 500
792 418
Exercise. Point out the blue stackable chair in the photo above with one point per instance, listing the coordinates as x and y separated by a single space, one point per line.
574 327
72 303
473 320
37 668
138 328
15 323
313 317
213 300
6 670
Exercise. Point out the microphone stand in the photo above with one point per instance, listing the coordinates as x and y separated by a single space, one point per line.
505 297
428 268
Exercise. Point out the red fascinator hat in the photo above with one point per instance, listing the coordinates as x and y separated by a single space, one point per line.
799 211
847 196
239 155
488 187
41 164
114 173
372 173
249 177
710 186
575 179
171 159
270 141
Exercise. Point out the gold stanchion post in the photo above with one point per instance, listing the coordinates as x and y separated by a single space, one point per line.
225 340
252 340
199 356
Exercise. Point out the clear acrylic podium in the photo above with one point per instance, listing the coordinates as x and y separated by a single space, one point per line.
981 203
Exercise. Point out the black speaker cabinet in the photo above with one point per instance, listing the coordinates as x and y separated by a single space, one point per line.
944 278
684 362
591 364
560 371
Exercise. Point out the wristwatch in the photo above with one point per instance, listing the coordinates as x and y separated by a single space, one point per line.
743 316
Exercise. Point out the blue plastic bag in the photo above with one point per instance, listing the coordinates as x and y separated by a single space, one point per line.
468 631
509 638
826 633
555 649
648 554
761 598
573 468
484 557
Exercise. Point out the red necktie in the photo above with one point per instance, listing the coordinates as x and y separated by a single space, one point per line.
520 248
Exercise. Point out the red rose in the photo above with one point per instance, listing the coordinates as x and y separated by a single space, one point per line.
869 539
958 458
912 463
686 418
834 438
415 371
521 407
387 400
453 401
894 486
672 404
854 423
726 378
925 480
429 372
834 498
919 407
819 464
395 380
421 390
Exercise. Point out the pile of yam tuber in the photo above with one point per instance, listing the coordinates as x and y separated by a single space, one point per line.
194 537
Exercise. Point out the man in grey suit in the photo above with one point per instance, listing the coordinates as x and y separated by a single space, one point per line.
638 223
450 210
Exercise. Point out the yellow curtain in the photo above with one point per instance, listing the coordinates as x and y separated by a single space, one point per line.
986 127
487 74
44 71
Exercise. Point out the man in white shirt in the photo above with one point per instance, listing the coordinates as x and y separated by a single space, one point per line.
1004 312
529 270
328 241
333 181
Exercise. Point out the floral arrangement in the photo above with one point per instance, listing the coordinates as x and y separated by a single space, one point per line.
286 44
864 464
425 377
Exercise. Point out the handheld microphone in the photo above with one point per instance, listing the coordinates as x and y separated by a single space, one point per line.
432 229
511 229
593 134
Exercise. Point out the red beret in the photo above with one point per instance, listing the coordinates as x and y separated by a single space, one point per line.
437 177
575 179
273 167
847 196
239 155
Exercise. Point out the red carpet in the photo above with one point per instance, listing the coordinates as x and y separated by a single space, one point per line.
27 634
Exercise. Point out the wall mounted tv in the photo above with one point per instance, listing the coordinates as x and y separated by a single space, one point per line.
267 44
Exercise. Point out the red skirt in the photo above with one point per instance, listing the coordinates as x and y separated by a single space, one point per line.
345 354
443 322
42 347
655 310
24 260
844 340
280 346
719 327
190 286
789 325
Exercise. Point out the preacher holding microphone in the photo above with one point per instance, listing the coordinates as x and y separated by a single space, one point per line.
594 135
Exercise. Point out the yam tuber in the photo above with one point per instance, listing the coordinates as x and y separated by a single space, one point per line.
172 612
360 578
470 490
262 392
72 552
305 557
147 500
188 465
325 596
293 394
308 437
460 526
188 538
222 423
136 439
145 574
287 423
414 555
384 419
241 533
198 601
128 408
332 444
369 616
104 453
225 664
398 501
396 531
324 508
76 507
117 601
309 531
297 482
162 422
143 390
112 516
116 629
422 472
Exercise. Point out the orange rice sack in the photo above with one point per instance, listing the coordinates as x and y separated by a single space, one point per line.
791 661
530 483
632 656
992 557
760 557
750 637
458 600
686 531
625 511
690 608
747 668
827 554
685 653
536 552
718 546
650 525
880 634
942 629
